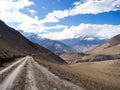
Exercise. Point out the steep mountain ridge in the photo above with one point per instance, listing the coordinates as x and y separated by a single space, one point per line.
14 44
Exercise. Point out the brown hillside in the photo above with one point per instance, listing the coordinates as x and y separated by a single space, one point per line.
109 50
115 40
12 43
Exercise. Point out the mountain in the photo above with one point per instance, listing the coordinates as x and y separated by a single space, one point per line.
54 46
115 40
112 47
13 44
83 44
107 51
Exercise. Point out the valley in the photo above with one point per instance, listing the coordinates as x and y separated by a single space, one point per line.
104 75
26 74
25 65
59 44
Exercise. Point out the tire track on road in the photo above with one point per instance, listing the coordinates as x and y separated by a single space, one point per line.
8 83
4 72
30 83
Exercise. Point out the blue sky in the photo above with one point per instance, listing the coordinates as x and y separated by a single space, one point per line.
63 19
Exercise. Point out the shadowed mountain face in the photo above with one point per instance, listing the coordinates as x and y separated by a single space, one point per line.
13 44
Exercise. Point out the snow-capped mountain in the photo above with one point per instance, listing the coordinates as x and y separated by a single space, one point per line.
83 44
55 46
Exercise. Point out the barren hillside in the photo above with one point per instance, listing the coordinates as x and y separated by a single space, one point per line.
13 44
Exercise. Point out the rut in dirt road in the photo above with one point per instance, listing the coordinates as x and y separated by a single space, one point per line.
9 80
29 75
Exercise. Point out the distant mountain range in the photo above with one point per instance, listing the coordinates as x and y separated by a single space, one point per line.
54 46
81 44
84 44
109 50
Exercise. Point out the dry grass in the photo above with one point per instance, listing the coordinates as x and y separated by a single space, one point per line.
103 75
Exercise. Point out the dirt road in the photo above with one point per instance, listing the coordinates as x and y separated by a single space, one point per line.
27 74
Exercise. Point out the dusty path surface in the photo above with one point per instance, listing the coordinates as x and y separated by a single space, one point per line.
27 74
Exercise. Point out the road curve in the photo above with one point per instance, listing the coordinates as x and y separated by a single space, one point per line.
29 75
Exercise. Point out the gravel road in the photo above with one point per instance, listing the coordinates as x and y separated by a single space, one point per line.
27 74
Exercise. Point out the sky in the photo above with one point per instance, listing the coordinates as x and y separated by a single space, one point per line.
63 19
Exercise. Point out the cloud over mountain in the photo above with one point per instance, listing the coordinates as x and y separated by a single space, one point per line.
82 30
22 15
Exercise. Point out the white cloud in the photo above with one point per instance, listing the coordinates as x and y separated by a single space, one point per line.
84 7
10 12
11 5
89 38
54 27
28 27
10 9
32 12
82 30
77 3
